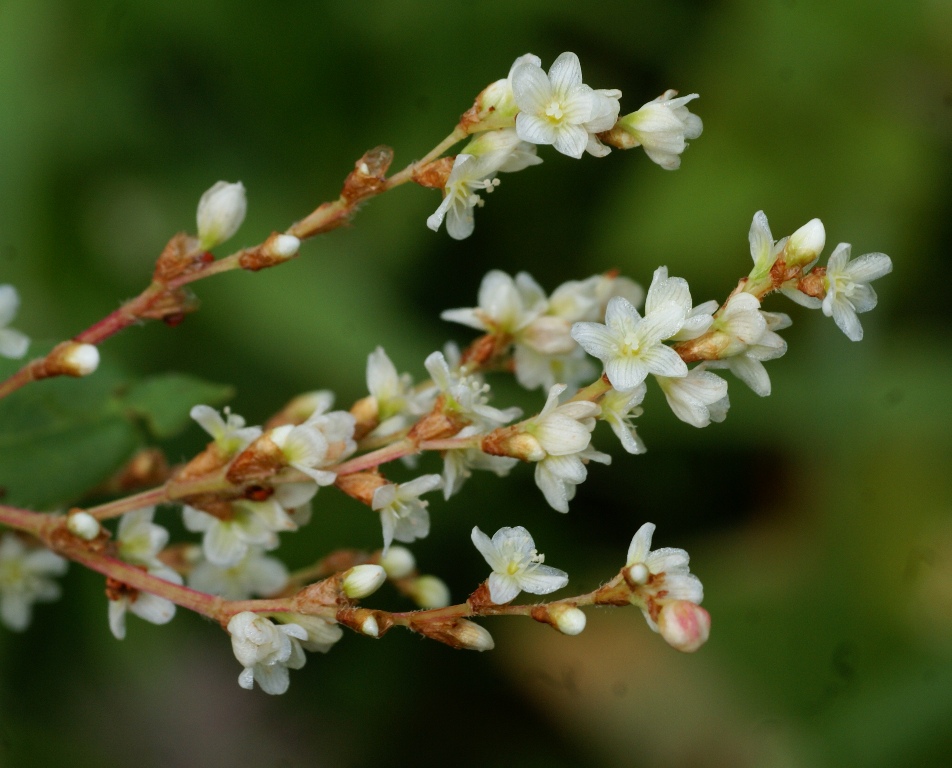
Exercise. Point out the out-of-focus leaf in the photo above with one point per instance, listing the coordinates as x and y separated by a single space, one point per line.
164 402
61 437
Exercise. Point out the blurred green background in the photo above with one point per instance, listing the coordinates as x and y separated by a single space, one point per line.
819 519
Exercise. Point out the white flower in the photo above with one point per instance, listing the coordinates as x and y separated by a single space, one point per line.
12 343
747 364
253 523
847 287
139 541
763 249
675 290
698 398
459 463
230 434
503 149
516 565
560 430
151 608
558 109
466 395
618 409
266 651
659 577
505 305
557 476
403 514
398 402
536 370
469 176
24 580
322 441
255 574
221 210
322 632
741 324
631 346
662 127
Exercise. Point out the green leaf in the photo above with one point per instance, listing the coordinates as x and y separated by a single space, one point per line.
164 401
61 437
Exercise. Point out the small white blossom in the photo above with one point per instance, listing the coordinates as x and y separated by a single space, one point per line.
847 287
256 574
660 576
253 523
535 370
516 564
398 401
698 398
266 651
504 149
630 346
466 394
139 541
763 249
662 127
24 580
557 476
505 305
459 463
323 440
403 514
560 430
230 433
748 363
675 290
322 632
558 109
618 409
470 176
741 324
221 210
13 344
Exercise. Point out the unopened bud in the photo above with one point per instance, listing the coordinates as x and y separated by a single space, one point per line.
514 442
637 574
568 619
83 525
684 625
369 627
398 562
806 244
284 246
70 359
221 210
430 592
363 580
472 637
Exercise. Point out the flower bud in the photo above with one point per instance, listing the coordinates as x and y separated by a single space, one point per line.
637 574
369 627
220 212
805 245
472 637
71 359
398 562
430 592
568 619
363 580
684 625
83 525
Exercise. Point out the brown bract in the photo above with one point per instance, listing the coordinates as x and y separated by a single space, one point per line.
361 485
369 175
434 175
181 256
259 461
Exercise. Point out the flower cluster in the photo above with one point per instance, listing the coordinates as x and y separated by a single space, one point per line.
532 107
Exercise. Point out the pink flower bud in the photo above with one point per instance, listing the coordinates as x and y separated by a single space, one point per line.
684 625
